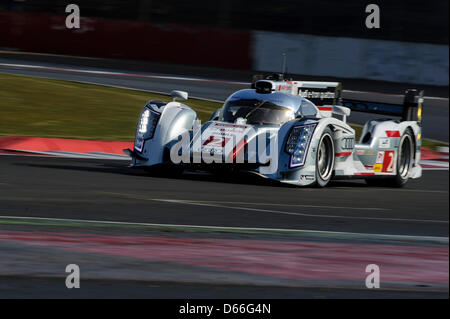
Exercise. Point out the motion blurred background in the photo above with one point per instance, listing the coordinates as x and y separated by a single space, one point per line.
320 38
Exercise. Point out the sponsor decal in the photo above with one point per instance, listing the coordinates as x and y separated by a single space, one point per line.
231 126
285 88
389 161
377 168
365 152
217 141
385 162
384 143
308 94
227 143
380 157
319 96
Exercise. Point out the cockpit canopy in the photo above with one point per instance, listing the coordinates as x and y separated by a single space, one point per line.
250 107
256 112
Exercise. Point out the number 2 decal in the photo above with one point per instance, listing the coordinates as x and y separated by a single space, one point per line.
216 141
390 161
385 162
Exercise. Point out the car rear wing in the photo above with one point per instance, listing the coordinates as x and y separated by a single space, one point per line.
330 93
409 110
319 93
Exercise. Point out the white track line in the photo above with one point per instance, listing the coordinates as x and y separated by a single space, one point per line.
442 164
444 240
168 77
293 205
353 189
176 201
98 72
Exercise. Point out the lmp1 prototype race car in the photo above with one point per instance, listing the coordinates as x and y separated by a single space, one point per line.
290 131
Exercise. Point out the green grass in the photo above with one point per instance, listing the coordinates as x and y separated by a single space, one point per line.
32 106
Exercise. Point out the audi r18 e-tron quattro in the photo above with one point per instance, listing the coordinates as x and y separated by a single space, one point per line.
290 131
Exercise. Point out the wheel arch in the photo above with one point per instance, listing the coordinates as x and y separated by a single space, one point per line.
411 130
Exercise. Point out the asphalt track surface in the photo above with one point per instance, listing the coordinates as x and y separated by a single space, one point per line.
14 288
100 190
110 191
435 118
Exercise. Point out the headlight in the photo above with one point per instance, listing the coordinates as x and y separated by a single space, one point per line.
298 143
143 123
147 123
146 127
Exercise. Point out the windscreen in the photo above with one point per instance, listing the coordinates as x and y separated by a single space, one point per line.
256 112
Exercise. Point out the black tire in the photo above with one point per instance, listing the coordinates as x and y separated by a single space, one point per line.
405 160
325 158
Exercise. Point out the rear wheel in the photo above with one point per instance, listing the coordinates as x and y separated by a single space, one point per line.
325 158
405 160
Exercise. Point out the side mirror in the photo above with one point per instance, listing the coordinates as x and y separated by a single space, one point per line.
181 95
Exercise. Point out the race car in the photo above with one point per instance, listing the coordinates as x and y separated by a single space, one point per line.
294 132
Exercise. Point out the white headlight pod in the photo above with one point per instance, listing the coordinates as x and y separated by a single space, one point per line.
298 143
146 127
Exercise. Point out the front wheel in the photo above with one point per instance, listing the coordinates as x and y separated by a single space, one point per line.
325 158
